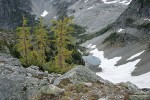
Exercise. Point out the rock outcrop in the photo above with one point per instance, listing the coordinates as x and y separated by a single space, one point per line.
80 83
21 83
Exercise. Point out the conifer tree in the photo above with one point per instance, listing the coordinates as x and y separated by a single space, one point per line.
61 29
23 42
42 43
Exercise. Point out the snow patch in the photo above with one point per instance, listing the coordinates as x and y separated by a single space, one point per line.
86 0
124 2
91 46
136 55
120 30
109 2
55 17
122 73
44 13
90 7
147 19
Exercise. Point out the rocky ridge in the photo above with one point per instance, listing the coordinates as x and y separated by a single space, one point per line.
17 82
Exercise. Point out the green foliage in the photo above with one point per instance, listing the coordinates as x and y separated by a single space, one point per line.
77 30
129 21
77 57
62 30
81 88
23 42
55 52
115 39
144 26
41 42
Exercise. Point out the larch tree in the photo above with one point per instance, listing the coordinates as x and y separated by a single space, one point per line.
61 29
23 42
42 41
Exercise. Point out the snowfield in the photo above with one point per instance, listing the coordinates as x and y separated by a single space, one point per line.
124 2
44 13
122 73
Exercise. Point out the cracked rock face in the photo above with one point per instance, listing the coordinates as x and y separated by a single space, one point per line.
18 83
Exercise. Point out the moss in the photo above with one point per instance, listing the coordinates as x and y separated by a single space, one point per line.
64 82
81 88
93 97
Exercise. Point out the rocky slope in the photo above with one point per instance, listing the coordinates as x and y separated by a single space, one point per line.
18 83
133 31
93 14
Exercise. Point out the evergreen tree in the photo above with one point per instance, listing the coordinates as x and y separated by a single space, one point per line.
61 29
42 43
23 42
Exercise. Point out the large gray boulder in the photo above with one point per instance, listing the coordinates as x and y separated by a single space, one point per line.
12 79
92 63
133 89
80 74
19 83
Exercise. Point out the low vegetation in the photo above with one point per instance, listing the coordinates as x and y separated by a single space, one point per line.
144 26
77 30
129 21
115 39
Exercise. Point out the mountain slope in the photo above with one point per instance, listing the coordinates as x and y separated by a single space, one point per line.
93 14
134 27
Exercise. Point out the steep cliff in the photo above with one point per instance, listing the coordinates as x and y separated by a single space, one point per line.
11 12
138 11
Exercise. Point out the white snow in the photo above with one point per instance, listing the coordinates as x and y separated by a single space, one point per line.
86 0
90 7
44 13
55 17
91 46
122 73
147 19
120 30
136 55
109 2
124 2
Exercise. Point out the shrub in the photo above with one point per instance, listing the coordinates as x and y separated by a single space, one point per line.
144 26
129 21
77 30
115 39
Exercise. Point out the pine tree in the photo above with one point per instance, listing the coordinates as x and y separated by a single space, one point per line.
42 43
23 42
61 29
